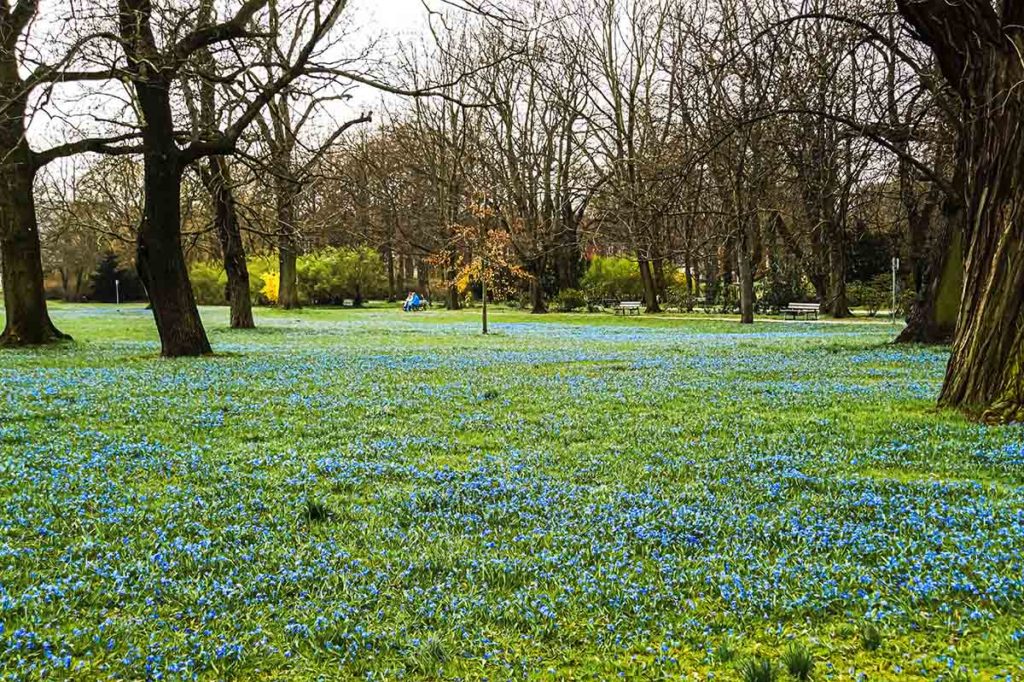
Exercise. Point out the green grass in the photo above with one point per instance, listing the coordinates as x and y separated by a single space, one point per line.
367 494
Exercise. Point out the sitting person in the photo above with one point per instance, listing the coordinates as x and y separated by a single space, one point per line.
413 302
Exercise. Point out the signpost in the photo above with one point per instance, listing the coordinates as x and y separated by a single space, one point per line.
895 269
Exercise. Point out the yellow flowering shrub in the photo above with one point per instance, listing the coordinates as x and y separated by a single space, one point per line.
271 284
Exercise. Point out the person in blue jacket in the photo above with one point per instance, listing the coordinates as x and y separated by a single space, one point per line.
412 302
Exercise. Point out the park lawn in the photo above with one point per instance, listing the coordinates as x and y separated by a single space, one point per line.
373 495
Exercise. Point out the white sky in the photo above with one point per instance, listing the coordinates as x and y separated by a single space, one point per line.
384 22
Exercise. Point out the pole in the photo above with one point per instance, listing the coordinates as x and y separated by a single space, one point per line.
895 267
117 291
483 288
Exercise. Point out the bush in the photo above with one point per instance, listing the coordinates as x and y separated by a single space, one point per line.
568 300
612 277
271 287
872 296
261 267
679 295
784 284
332 275
208 280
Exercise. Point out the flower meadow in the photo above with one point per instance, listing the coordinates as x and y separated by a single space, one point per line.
369 495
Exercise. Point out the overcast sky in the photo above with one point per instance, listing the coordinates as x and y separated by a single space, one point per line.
384 22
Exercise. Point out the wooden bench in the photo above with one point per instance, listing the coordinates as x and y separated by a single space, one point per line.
628 307
796 310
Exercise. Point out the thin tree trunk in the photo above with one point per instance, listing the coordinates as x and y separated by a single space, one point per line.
650 289
217 178
744 260
392 283
838 303
288 289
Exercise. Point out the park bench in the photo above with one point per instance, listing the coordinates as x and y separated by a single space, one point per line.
627 307
796 310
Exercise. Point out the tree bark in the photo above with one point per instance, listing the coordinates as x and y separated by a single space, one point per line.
744 258
453 302
26 318
932 317
838 303
650 288
288 289
161 262
217 178
389 257
978 52
538 306
422 277
160 259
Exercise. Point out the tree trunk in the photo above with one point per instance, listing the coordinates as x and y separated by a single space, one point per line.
978 53
217 178
711 281
538 306
660 283
454 303
932 317
27 321
288 289
650 288
745 266
161 261
422 277
838 305
392 284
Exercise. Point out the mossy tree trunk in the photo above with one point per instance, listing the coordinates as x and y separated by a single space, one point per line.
978 52
932 316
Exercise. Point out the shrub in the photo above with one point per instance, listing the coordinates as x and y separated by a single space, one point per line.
782 285
612 277
678 294
259 267
208 280
331 275
271 286
872 296
568 300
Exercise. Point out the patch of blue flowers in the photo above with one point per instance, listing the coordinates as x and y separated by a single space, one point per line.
493 507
